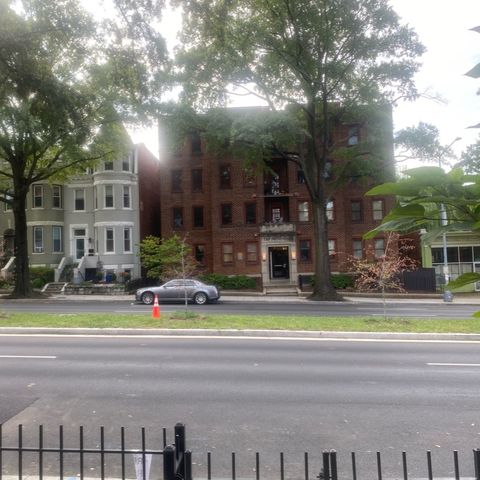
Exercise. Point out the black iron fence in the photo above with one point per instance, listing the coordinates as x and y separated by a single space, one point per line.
102 461
174 462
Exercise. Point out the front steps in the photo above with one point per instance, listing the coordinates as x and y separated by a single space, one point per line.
281 290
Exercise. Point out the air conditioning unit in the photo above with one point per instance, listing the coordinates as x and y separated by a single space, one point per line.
38 250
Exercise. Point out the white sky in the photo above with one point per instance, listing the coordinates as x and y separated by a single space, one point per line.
443 27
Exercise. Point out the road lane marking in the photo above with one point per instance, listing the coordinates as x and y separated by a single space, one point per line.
432 364
39 357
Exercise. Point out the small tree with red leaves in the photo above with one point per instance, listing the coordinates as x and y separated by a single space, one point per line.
383 273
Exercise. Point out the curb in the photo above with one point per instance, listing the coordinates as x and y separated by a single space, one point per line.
233 333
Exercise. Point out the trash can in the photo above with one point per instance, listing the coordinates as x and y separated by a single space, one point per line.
447 296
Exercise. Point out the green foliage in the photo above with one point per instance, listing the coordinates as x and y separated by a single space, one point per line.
67 82
226 282
316 63
167 258
343 280
40 276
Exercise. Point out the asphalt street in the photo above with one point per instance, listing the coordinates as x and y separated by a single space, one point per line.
248 395
429 308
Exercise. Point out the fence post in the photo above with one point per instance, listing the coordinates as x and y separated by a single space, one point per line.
476 463
179 440
169 463
188 465
333 464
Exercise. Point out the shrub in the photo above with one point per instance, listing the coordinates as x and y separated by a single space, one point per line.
40 276
342 280
235 282
135 283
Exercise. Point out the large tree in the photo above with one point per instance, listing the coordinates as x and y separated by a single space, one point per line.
322 58
66 83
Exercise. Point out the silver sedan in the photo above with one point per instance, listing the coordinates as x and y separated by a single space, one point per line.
175 291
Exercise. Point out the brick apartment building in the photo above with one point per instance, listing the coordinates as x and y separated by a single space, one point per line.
261 225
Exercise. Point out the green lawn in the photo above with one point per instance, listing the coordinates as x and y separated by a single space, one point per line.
181 320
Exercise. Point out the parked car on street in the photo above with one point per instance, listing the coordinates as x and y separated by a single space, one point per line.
174 291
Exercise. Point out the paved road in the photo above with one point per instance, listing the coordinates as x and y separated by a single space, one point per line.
233 305
246 395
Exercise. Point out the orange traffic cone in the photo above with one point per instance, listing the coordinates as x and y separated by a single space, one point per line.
156 308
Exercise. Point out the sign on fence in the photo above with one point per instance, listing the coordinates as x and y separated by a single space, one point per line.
138 460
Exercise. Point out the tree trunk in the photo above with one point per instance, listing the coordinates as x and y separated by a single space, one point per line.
315 175
322 287
23 288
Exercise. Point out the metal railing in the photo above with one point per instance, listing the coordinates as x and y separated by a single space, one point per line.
64 461
60 461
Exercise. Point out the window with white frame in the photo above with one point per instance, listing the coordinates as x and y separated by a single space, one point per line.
330 211
126 163
79 199
57 196
379 247
9 199
57 239
37 196
127 240
303 212
127 196
109 240
353 135
332 247
377 209
38 239
108 189
357 246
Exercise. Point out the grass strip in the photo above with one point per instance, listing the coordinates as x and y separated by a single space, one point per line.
177 320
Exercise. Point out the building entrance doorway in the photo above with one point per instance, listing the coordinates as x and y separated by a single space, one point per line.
279 262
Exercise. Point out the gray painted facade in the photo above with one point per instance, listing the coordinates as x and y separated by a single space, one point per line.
91 222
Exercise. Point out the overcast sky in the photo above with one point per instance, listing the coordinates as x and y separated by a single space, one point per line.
452 49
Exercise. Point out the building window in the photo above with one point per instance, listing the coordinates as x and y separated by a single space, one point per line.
38 239
199 252
357 246
225 173
79 199
303 212
108 165
379 247
196 143
377 209
356 210
353 135
251 213
177 217
127 196
227 253
198 217
126 163
57 239
305 248
197 180
330 211
37 196
57 196
109 240
176 180
332 248
127 240
226 214
301 176
108 190
252 252
8 201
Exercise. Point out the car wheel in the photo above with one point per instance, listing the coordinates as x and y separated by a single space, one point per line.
200 298
147 298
